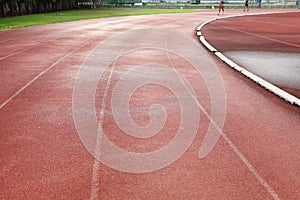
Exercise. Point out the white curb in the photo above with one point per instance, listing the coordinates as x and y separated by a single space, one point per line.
263 83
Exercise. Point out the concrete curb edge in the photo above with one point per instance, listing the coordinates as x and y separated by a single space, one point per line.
258 80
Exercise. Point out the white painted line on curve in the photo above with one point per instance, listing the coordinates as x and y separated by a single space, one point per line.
40 74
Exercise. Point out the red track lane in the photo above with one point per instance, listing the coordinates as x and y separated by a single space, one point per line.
42 156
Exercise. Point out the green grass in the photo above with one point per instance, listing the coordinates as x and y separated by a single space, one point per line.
65 16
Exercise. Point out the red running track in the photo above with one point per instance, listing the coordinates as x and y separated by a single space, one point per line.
42 156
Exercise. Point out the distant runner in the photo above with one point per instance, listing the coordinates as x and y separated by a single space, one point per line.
246 5
221 7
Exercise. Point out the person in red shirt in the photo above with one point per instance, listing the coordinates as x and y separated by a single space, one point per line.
221 6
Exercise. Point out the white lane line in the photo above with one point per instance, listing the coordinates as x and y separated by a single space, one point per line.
8 40
264 22
242 157
250 167
95 177
29 48
96 166
18 52
260 36
41 74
